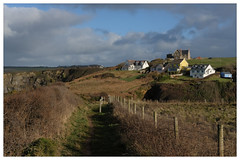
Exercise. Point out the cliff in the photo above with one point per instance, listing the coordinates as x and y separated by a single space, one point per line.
29 80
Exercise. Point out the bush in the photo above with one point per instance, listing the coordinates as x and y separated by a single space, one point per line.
41 147
34 114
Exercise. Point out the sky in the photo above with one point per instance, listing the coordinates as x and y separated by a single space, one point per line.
108 34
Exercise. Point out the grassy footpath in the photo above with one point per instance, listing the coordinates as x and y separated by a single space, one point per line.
74 142
91 133
78 131
106 140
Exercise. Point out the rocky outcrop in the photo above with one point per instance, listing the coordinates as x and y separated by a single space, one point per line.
19 81
29 80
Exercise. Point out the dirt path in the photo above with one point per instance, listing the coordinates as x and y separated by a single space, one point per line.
93 133
86 149
105 138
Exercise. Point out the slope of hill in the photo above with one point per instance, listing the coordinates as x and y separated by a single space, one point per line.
17 81
215 62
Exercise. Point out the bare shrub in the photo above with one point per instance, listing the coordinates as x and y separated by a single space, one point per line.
33 114
197 135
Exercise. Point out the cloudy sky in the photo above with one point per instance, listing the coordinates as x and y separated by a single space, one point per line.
75 34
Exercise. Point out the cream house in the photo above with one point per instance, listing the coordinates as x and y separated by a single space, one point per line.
201 70
131 65
177 65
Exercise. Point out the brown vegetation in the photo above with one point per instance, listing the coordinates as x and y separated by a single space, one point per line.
198 135
101 82
34 114
195 91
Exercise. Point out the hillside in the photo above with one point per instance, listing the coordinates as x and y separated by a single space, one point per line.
29 78
80 129
215 62
135 84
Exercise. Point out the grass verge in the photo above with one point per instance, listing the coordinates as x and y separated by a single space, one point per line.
78 133
106 140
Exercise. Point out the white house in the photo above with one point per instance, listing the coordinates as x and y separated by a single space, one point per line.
131 65
201 70
159 68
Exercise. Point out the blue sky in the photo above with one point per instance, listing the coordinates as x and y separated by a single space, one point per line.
52 34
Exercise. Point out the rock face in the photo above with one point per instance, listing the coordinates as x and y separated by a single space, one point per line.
24 80
29 80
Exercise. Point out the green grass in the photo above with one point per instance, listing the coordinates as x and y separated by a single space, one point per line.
92 133
217 78
214 62
41 147
212 113
172 81
105 138
185 78
78 133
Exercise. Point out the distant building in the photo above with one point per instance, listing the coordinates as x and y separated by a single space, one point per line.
181 54
158 67
170 56
201 70
177 65
225 75
131 65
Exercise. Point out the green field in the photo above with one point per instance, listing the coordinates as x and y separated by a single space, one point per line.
214 62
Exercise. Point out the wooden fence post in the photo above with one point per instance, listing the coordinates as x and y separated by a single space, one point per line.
135 108
110 98
129 105
176 128
143 112
155 118
220 141
100 105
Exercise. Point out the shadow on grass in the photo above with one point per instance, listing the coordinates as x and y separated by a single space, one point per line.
77 141
105 139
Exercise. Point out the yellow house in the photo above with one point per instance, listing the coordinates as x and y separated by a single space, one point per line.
177 65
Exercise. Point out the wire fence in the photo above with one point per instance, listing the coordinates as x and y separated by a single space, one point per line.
149 111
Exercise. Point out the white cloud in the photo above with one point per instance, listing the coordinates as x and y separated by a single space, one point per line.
33 36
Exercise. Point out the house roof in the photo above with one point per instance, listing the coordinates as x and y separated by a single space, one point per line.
130 61
136 62
155 65
185 52
176 61
199 66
